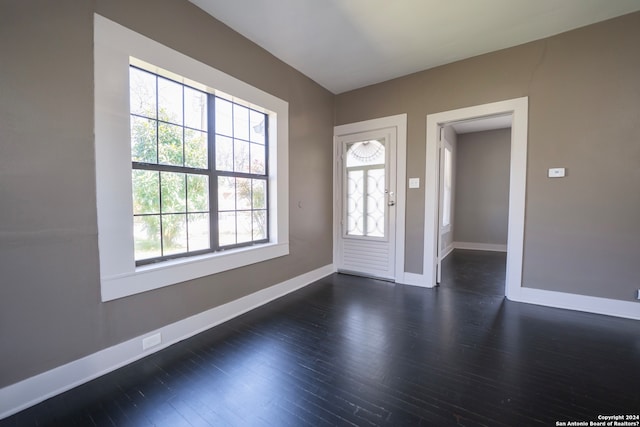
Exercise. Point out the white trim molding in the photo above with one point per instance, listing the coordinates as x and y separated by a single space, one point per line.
518 109
26 393
446 251
480 246
589 304
413 279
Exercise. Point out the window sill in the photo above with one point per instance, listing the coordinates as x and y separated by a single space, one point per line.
149 277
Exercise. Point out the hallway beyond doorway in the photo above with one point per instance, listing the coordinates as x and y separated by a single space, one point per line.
480 272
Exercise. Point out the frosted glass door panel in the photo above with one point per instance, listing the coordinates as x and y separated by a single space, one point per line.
366 189
365 240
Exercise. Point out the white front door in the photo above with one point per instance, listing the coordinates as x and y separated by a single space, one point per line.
367 203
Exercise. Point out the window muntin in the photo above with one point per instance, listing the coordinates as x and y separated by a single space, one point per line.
199 170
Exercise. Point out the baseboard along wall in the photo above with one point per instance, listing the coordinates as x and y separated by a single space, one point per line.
26 393
36 389
575 302
480 246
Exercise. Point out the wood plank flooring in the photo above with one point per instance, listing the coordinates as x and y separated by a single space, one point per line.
351 351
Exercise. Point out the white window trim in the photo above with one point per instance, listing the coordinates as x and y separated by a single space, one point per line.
114 48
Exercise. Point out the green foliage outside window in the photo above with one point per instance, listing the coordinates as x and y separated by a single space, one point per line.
171 207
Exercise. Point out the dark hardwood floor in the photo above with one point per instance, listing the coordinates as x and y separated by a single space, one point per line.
354 351
479 272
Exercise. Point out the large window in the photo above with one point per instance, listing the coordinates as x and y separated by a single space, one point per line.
191 166
199 170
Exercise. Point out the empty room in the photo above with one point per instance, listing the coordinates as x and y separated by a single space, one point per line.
299 212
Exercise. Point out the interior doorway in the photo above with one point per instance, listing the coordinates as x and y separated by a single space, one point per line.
515 110
474 159
475 272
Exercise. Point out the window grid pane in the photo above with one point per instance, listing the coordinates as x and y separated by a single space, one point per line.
174 234
142 93
195 149
242 214
181 200
170 101
241 155
146 232
144 147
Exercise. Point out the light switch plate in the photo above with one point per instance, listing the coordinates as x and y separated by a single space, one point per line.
557 173
414 182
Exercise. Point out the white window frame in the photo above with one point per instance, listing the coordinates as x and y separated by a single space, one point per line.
115 47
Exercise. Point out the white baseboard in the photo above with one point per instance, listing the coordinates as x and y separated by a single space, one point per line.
480 246
31 391
597 305
414 279
447 251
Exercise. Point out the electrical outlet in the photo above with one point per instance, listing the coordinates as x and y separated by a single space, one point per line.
151 341
638 296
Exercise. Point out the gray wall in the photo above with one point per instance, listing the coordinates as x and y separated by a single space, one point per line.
50 309
582 233
482 187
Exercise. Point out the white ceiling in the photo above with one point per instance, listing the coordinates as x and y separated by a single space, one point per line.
347 44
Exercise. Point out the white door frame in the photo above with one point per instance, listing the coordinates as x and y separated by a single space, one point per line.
518 109
400 123
441 252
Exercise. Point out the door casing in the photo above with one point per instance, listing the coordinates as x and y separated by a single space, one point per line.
518 109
